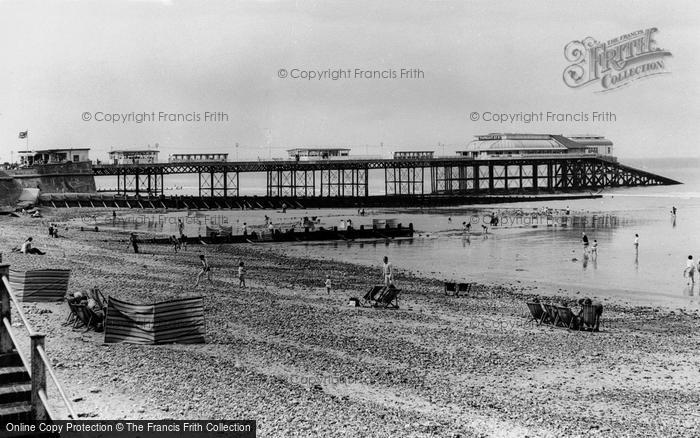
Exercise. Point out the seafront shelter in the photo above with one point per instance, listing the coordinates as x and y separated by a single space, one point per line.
318 153
407 155
188 158
133 156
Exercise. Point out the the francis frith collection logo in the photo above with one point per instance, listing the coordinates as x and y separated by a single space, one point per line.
614 63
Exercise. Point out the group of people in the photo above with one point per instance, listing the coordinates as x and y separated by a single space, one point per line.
53 230
345 225
578 314
205 270
588 248
467 227
592 248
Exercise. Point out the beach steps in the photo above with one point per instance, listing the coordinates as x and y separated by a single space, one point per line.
15 390
16 396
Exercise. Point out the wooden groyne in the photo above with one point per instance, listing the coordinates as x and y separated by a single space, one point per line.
292 235
102 200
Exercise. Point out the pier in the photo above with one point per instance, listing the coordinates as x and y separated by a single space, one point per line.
345 182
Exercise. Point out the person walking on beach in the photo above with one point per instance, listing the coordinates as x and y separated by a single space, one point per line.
241 274
584 239
180 227
206 269
636 242
388 270
690 270
134 242
594 249
328 284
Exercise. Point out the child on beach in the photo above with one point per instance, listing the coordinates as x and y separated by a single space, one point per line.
241 275
175 242
206 269
328 284
388 271
594 249
690 270
134 242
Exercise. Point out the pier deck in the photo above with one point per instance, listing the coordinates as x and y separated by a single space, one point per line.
416 178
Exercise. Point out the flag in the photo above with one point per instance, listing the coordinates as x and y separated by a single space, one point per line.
23 134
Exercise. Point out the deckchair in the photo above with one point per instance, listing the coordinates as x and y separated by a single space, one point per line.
450 288
537 312
96 295
96 319
372 295
552 314
78 316
590 320
82 316
389 298
464 288
567 317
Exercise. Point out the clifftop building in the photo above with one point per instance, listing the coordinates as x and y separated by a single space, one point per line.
53 156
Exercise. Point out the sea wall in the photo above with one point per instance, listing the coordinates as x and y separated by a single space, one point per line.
57 178
10 190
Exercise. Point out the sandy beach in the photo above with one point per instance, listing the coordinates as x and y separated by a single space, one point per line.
303 363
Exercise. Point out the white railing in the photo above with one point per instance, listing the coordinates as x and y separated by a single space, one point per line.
38 364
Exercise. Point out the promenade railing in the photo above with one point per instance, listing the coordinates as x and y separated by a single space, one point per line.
37 364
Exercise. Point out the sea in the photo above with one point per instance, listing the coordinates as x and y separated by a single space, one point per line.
530 249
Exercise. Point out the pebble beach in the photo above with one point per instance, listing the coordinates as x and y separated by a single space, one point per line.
304 363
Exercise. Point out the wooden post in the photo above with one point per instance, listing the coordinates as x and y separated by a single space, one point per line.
5 312
38 377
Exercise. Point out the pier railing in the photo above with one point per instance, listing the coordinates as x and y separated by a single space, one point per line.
37 364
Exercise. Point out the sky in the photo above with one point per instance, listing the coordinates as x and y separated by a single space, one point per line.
66 59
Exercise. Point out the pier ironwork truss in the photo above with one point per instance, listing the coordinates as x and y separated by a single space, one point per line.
406 177
150 183
218 182
345 182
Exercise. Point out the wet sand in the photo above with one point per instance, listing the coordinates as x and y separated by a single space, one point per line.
303 363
